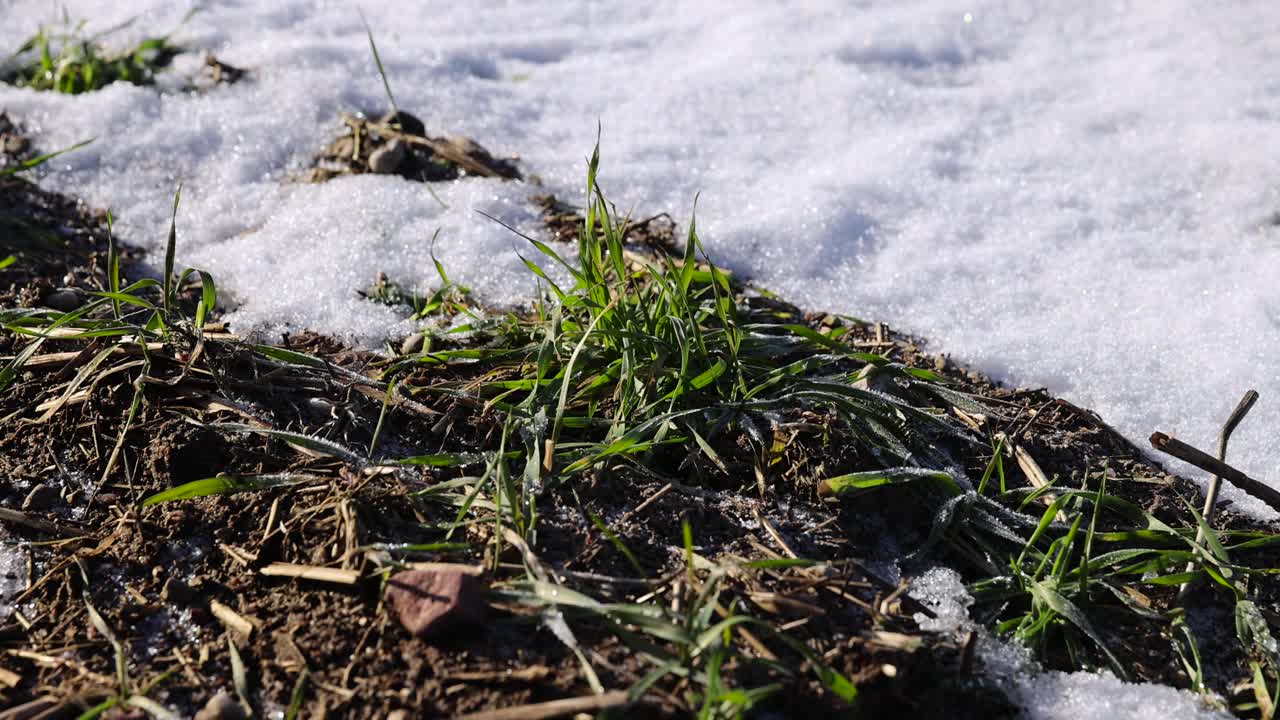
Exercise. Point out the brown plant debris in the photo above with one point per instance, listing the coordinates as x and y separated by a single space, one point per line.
397 144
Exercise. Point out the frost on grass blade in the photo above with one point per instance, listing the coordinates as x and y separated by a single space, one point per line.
307 442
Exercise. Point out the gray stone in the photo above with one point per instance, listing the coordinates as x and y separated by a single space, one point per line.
63 300
877 380
386 159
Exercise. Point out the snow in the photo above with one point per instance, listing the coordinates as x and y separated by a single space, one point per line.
1069 195
1049 695
13 577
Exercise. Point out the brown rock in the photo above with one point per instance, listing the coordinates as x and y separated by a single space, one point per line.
412 344
222 707
431 603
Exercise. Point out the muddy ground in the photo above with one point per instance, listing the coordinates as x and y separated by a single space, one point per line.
180 586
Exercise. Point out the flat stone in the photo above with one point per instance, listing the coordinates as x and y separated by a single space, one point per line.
436 602
222 707
41 497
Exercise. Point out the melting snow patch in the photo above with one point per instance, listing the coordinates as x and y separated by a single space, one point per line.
941 590
13 578
1049 695
1088 696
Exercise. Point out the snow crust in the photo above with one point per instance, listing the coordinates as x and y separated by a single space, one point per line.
1074 195
1051 695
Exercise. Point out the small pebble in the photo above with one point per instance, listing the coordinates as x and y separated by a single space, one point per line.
64 300
412 344
386 159
222 707
876 380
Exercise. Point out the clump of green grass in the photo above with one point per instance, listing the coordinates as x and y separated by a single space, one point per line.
1086 579
638 366
664 367
667 355
72 61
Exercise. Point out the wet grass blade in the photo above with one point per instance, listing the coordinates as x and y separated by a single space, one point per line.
299 694
851 482
441 460
227 485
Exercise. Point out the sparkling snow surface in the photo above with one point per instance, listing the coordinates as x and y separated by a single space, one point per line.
1072 195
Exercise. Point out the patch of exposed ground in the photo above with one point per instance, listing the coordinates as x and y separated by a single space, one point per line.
397 143
652 234
288 579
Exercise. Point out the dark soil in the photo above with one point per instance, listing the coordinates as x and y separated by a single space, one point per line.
162 576
654 234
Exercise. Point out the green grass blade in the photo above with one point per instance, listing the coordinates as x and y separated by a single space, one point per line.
226 485
1045 593
42 159
170 291
377 59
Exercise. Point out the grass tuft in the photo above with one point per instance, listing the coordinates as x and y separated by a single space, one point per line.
71 61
